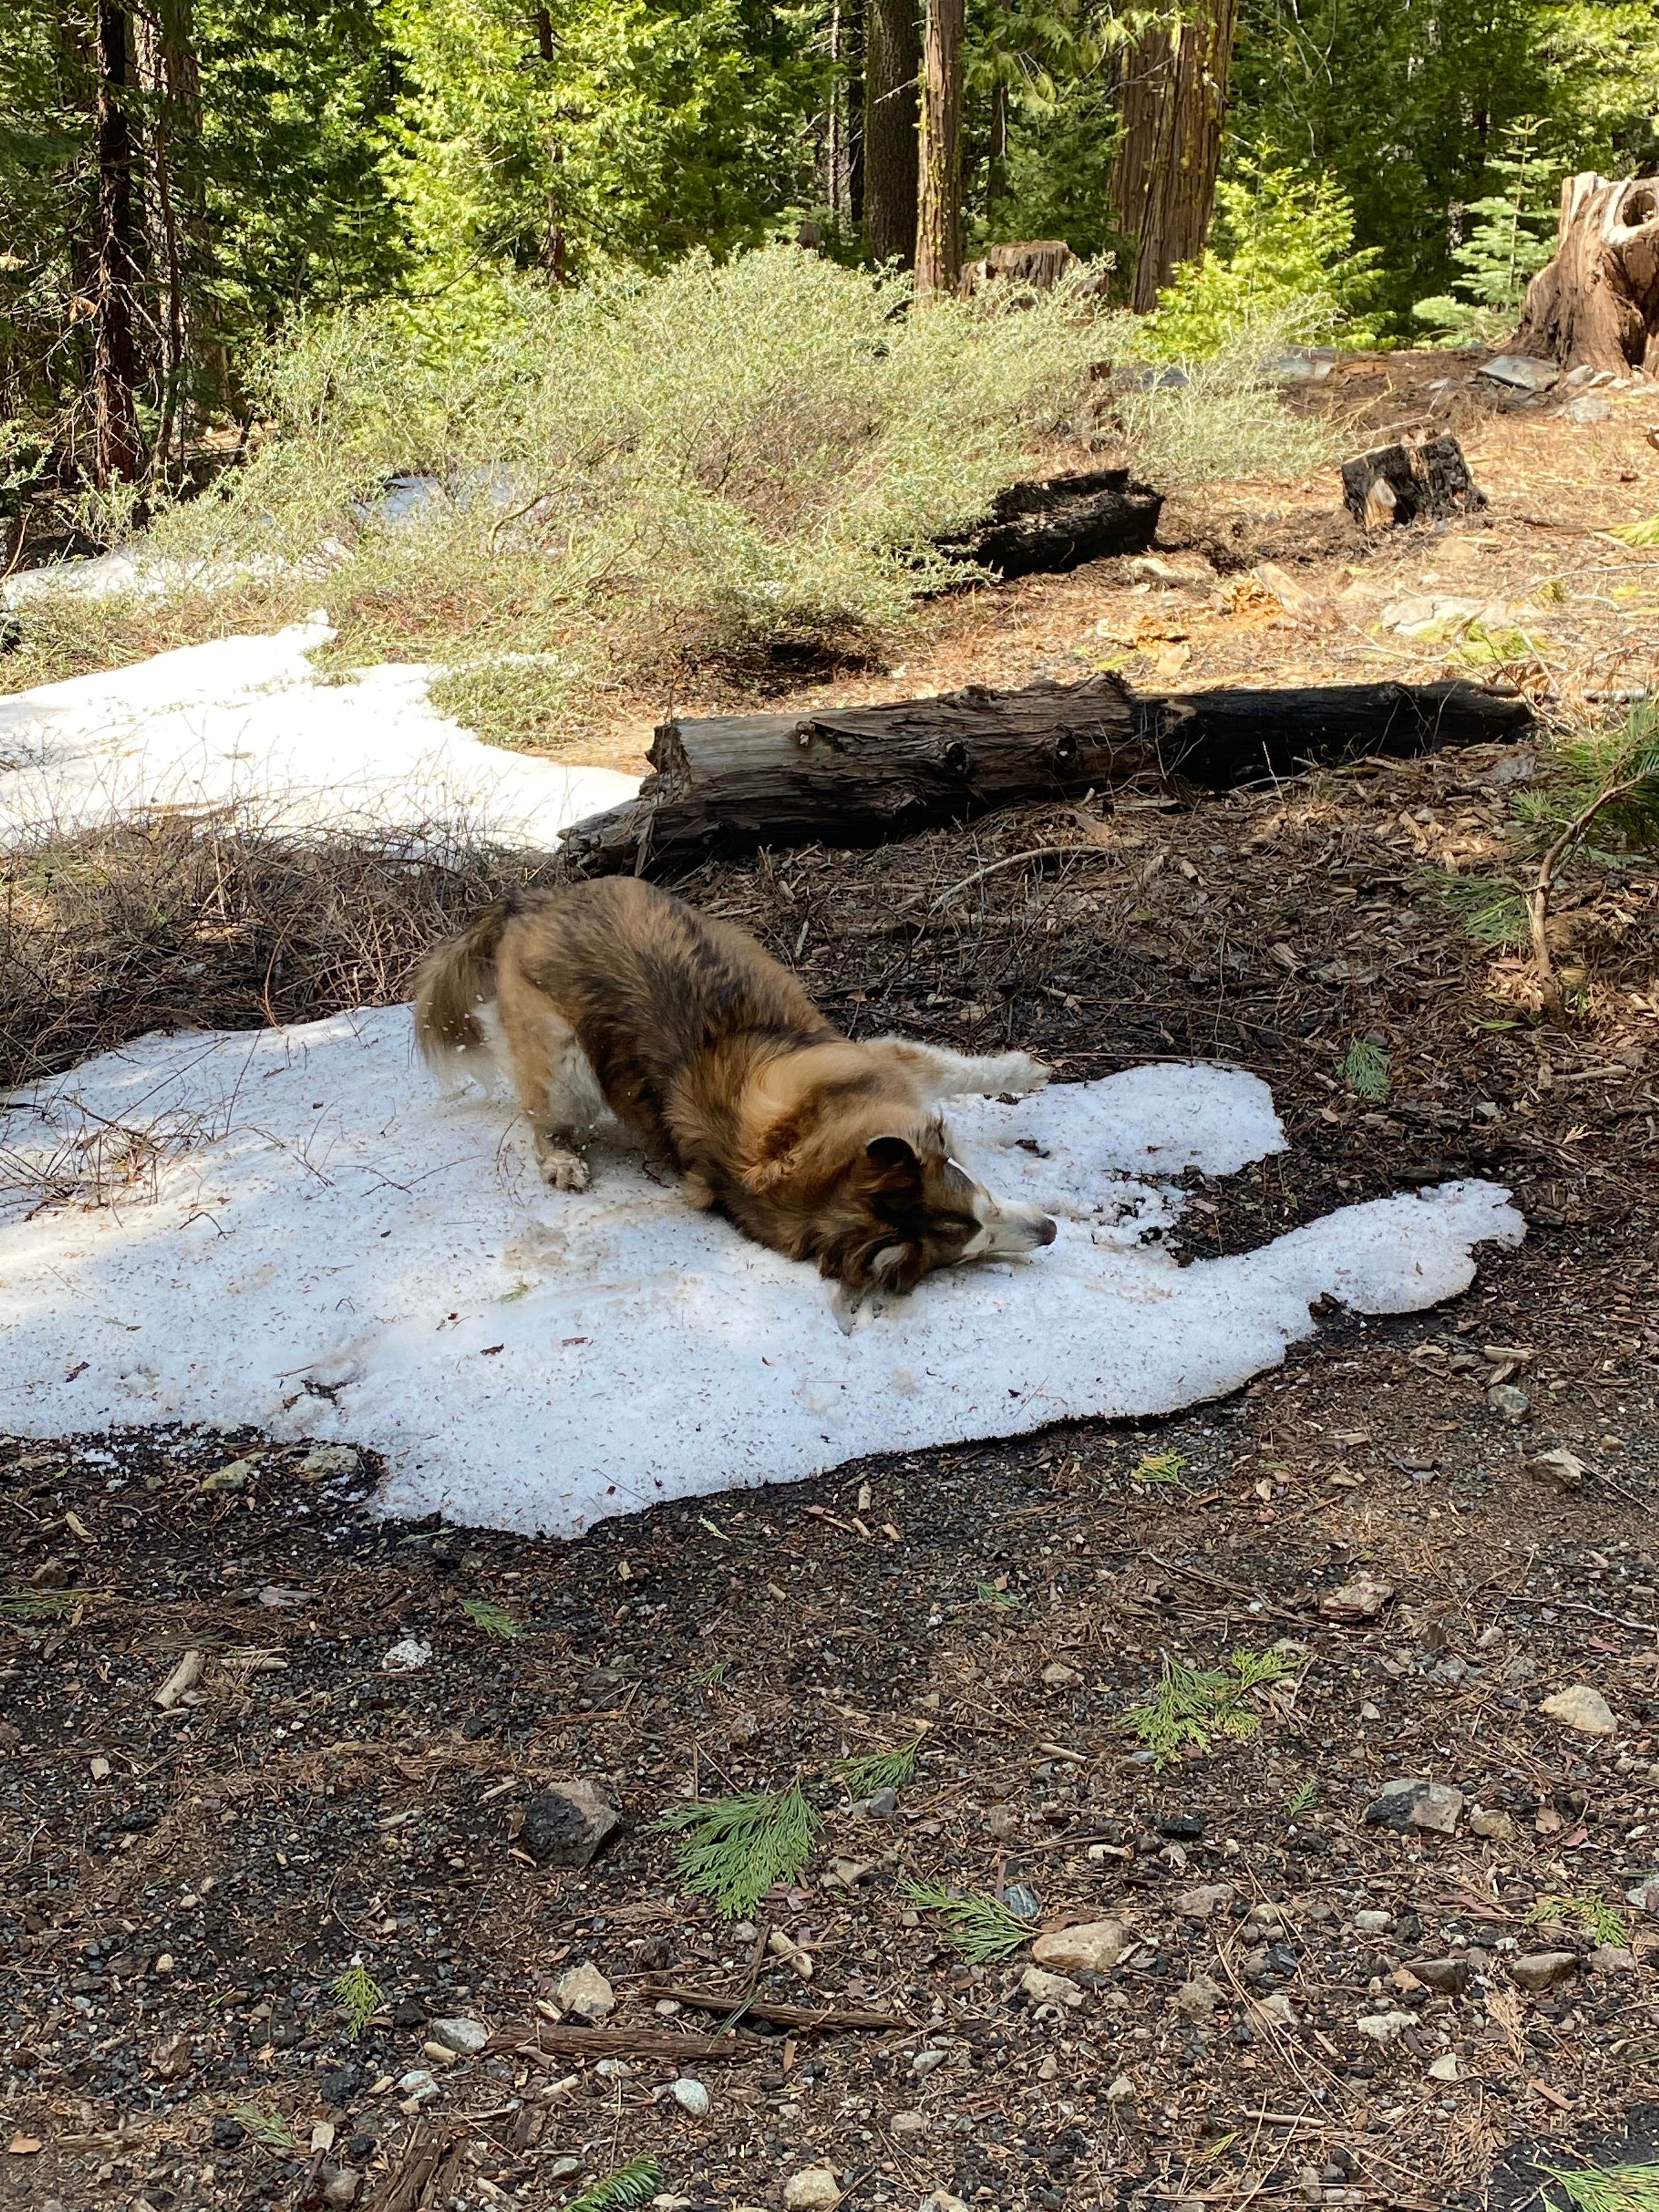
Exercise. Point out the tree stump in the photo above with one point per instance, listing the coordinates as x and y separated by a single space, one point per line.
726 784
1403 484
1595 304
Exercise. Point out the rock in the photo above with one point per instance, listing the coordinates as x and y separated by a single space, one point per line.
882 1805
1373 1924
1044 1988
1369 1711
1582 1708
1542 1970
1386 2027
1209 1897
909 2124
407 1657
1509 1400
1022 1900
1402 1805
1278 2009
1588 407
227 2133
1495 1828
1119 2091
1197 2000
1445 2067
812 2188
567 1825
1000 1824
942 2201
1092 1947
329 1459
1614 1959
1181 1827
1360 1599
342 2185
1561 1469
583 1990
1057 1676
690 2096
1521 373
926 2060
419 2085
1450 1976
466 2038
1645 1895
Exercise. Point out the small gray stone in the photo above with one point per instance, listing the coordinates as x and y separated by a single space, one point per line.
1373 1924
1209 1897
467 2037
1645 1895
1045 1988
814 2189
1588 407
329 1459
1119 2091
1521 372
1509 1400
882 1805
567 1825
1445 2067
909 2124
1582 1708
420 2083
1092 1947
1450 1976
1197 2000
1614 1959
1542 1970
690 2096
1495 1828
407 1657
342 2185
1386 2027
1560 1468
1403 1805
583 1990
927 2060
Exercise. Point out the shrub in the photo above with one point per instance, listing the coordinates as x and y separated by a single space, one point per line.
1513 238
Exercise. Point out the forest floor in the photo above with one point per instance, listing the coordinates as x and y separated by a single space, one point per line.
1303 2007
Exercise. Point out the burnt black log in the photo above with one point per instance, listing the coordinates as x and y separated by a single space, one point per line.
1407 484
1047 528
728 784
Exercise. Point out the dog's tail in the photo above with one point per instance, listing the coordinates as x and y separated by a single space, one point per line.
455 979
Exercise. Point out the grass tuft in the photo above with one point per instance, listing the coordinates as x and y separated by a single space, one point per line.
636 2183
359 1996
983 1928
733 1850
1166 1469
268 2128
1003 1600
869 1770
1194 1706
495 1619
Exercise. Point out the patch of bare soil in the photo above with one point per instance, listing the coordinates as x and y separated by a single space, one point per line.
1439 1521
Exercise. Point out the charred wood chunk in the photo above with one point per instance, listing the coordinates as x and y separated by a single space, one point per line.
1049 527
1410 483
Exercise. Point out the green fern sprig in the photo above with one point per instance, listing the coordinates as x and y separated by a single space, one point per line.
867 1772
735 1848
493 1619
1195 1704
1608 2188
636 2183
983 1928
359 1996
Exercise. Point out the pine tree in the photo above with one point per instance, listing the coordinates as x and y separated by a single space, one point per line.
1512 238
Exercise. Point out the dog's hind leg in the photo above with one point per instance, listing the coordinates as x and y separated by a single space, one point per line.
553 1077
939 1072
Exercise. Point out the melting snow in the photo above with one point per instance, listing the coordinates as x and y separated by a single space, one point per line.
302 1234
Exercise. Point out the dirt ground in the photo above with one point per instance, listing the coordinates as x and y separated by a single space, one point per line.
182 1887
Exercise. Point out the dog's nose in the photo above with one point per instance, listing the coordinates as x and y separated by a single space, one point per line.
1047 1233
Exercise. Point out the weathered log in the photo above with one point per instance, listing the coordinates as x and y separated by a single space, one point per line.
1595 304
1406 483
1047 528
728 784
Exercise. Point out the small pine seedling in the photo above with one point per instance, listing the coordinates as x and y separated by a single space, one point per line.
1643 534
869 1770
735 1848
1167 1468
1608 2188
359 1996
983 1928
1366 1070
988 1594
711 1677
636 2183
1304 1797
1489 911
268 2128
1599 1918
493 1619
1195 1704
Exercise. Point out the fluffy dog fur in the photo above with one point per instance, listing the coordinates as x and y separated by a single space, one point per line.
613 994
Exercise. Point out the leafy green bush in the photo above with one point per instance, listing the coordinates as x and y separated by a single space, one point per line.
1513 238
1282 258
1225 419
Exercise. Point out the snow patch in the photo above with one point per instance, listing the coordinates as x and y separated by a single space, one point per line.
313 1240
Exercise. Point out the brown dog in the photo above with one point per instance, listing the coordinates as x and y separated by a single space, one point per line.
613 994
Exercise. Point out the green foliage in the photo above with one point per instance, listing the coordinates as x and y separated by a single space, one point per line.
1226 419
636 2183
1605 2188
1302 1797
359 1996
495 1619
268 2128
1194 1704
869 1770
1166 1468
1504 249
1050 68
735 1848
1490 910
1001 1601
1281 259
1366 1070
1643 534
1605 1921
1586 765
983 1928
25 1605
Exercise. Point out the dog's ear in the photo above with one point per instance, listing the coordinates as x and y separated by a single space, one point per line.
894 1155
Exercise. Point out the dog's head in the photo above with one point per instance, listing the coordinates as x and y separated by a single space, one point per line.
902 1206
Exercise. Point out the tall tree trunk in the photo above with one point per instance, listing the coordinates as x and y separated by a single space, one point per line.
116 452
1174 104
996 173
939 197
852 34
892 61
176 202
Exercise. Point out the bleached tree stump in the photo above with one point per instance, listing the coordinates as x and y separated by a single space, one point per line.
1595 304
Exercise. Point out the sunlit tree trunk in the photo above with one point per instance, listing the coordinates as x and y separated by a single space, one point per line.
892 61
115 451
938 200
1173 106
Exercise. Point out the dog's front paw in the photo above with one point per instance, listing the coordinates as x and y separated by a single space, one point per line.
1018 1073
561 1168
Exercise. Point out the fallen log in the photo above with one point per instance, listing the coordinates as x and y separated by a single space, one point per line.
727 784
1050 527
